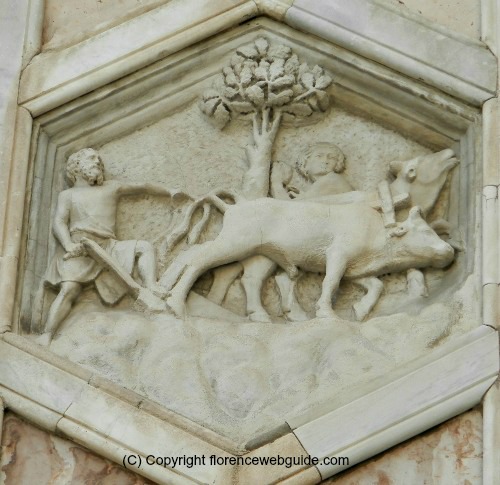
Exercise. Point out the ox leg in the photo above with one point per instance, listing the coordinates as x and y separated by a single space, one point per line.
176 268
415 282
202 258
256 270
334 272
289 303
223 279
179 275
373 287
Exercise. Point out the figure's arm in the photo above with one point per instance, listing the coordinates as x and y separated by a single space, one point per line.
331 184
281 175
133 188
346 198
61 221
61 229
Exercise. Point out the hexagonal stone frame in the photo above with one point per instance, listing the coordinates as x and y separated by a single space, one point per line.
59 93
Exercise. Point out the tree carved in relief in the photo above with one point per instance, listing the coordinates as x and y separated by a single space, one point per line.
269 84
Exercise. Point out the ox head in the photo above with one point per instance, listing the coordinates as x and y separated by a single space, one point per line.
423 177
417 244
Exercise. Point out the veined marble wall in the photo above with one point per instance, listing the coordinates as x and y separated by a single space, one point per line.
69 22
461 16
450 453
72 21
30 455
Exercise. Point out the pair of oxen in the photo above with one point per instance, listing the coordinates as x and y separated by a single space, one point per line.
342 236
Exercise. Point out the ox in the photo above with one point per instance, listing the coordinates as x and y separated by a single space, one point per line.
421 179
418 181
343 241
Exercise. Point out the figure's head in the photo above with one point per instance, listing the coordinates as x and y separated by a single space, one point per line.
320 159
86 164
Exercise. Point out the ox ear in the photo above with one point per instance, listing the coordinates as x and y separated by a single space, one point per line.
411 174
398 231
395 167
441 227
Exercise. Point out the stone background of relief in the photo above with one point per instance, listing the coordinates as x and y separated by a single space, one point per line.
32 456
448 454
72 21
186 151
242 379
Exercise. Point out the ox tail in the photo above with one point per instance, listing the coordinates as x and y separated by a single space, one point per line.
207 201
200 225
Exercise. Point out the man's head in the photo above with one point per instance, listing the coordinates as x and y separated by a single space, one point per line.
87 165
321 159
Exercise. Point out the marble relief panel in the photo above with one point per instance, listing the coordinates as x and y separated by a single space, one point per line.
261 249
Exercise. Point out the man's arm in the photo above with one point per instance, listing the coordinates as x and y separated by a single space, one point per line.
281 175
61 229
134 188
61 221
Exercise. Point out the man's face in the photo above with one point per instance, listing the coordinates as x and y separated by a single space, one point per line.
320 163
91 170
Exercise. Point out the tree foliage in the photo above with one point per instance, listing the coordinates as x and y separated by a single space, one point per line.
266 77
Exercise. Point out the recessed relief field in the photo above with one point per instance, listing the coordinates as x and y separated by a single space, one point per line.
268 237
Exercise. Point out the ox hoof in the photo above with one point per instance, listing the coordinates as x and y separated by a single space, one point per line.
148 302
159 291
360 311
177 306
326 313
297 316
262 317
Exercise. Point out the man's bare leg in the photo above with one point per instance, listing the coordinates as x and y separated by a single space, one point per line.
60 309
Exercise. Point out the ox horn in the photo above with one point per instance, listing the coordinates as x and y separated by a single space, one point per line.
395 167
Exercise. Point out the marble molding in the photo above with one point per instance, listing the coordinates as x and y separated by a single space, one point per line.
126 80
113 421
147 42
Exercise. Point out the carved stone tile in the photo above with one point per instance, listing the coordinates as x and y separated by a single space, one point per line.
258 236
300 178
